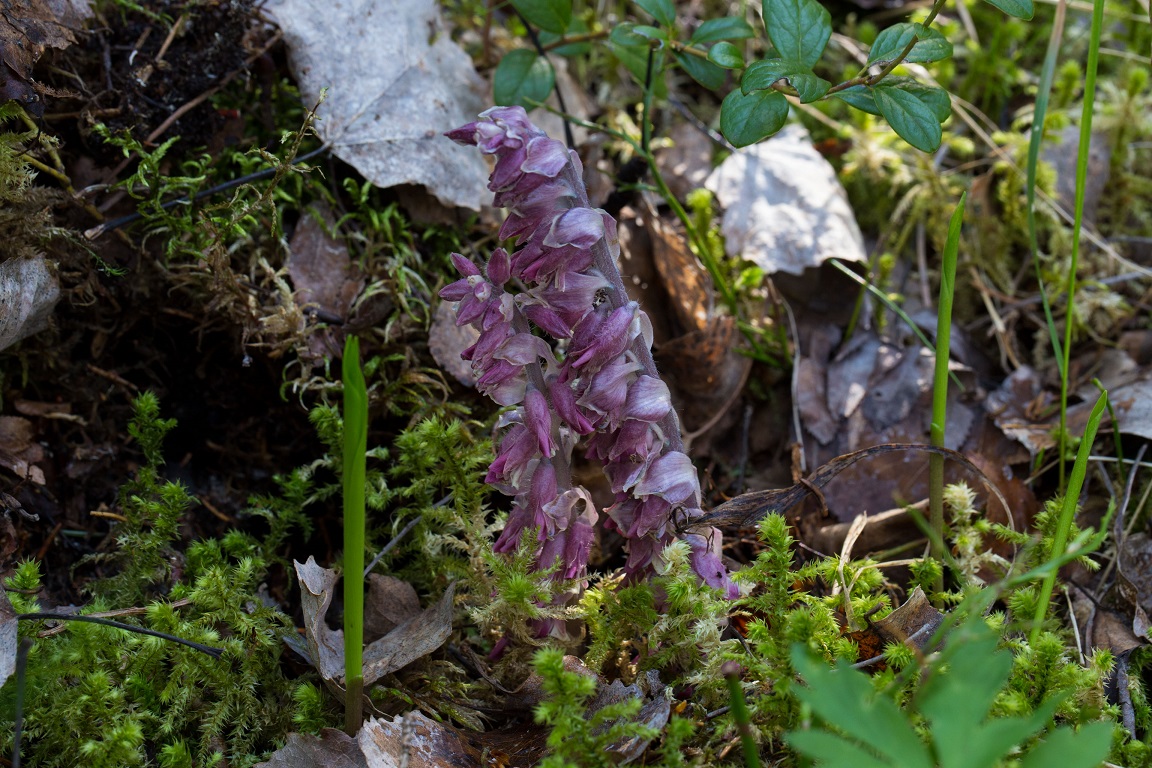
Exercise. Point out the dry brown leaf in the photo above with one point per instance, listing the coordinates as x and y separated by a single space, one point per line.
27 29
28 294
388 603
913 622
331 749
415 638
784 208
8 639
688 285
686 164
322 272
20 452
396 81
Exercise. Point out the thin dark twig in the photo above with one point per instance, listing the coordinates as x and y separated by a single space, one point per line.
388 547
108 226
213 652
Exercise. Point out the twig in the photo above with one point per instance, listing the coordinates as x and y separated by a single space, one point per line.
207 649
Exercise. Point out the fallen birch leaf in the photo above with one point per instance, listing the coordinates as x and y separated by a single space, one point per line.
28 294
784 208
396 81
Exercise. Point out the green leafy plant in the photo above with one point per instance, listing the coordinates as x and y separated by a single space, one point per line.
856 725
355 468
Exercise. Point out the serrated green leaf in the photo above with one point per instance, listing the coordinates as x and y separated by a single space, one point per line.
1085 748
831 749
522 78
799 29
911 118
549 15
860 97
809 87
930 46
763 74
662 10
726 28
726 55
577 27
845 698
746 120
1021 9
702 71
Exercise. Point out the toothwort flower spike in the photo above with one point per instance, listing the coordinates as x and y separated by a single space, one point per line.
601 382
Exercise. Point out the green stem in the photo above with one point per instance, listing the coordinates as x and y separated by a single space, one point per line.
940 384
1078 215
1068 511
355 468
740 715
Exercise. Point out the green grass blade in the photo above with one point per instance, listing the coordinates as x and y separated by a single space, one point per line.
940 380
1078 214
1068 511
1039 115
355 467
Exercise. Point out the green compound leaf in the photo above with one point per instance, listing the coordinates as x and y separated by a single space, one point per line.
1021 9
549 15
746 120
1085 748
727 28
726 55
930 46
702 71
522 79
911 118
845 697
662 10
799 29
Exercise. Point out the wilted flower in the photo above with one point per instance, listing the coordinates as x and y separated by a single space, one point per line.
603 384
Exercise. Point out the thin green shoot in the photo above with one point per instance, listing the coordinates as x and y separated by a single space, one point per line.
1078 214
740 715
355 468
1036 138
940 382
894 307
1068 511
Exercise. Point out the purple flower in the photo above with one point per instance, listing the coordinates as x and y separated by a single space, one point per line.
563 346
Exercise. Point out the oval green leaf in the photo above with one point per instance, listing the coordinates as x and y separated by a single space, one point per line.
746 120
799 29
910 117
662 10
763 74
931 45
549 15
727 28
726 55
577 27
702 71
860 97
809 87
1021 9
522 79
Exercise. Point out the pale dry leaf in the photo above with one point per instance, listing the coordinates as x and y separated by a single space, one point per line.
686 164
28 294
446 341
331 749
325 645
414 741
395 82
784 208
8 639
413 639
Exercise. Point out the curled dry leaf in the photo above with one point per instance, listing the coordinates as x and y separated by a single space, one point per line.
417 637
389 602
19 451
8 638
784 208
396 81
913 623
27 29
28 294
331 749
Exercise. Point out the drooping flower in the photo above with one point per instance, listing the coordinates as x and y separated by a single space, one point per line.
600 383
